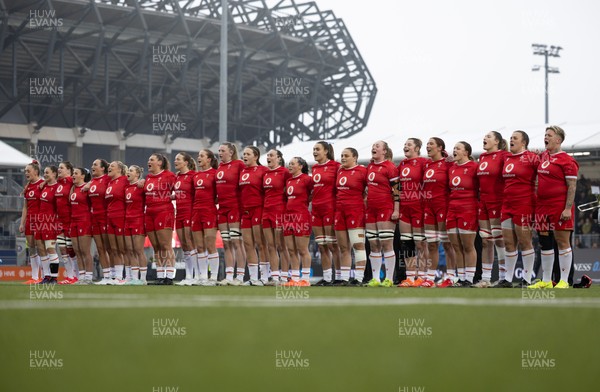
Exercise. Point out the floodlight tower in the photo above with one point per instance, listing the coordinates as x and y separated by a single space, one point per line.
543 50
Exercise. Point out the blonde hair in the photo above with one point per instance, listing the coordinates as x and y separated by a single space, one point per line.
121 167
558 130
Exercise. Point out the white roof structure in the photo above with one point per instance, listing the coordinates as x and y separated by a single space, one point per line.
579 137
11 157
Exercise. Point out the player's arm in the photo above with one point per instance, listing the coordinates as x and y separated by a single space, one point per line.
571 189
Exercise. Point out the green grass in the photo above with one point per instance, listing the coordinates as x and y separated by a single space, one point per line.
230 337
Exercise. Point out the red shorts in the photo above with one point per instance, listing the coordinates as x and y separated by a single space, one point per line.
251 216
521 212
80 229
489 209
351 218
272 217
460 219
134 226
29 228
183 218
374 215
98 224
547 218
159 221
115 225
64 227
46 228
204 219
412 213
323 215
228 215
434 214
296 224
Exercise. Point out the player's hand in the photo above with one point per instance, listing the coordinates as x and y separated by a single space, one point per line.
141 183
21 228
395 215
566 214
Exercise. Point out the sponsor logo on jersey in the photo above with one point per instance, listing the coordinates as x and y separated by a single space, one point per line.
290 190
199 183
317 177
93 189
372 176
406 171
268 181
483 166
59 189
44 195
128 196
545 164
109 189
177 184
508 168
149 187
220 175
73 196
31 193
245 176
429 173
343 181
456 181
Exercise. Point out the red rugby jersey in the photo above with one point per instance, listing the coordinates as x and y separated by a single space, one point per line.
324 177
380 178
228 178
274 182
410 175
489 172
435 181
97 193
553 171
251 186
158 190
134 201
63 206
351 184
115 195
205 190
463 183
32 195
184 192
519 174
298 190
80 205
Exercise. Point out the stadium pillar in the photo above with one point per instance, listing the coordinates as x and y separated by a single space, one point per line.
75 150
223 74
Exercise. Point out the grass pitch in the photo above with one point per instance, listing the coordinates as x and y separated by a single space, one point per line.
167 339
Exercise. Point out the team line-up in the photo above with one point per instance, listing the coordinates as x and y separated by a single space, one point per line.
266 214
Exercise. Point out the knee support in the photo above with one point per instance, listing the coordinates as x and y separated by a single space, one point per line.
386 235
225 235
235 234
372 235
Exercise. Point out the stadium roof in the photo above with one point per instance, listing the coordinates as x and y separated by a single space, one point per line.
126 65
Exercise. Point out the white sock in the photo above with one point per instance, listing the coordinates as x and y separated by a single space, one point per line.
73 264
143 273
45 265
345 273
375 258
119 271
306 274
296 275
430 274
35 266
486 271
67 265
510 261
202 265
160 272
359 273
264 271
213 262
411 274
253 269
469 274
81 274
89 276
338 274
275 275
389 258
565 259
113 273
461 273
240 272
188 265
106 273
134 273
171 271
528 261
547 264
128 272
327 273
229 273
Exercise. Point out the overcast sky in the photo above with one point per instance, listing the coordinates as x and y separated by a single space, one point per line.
466 65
